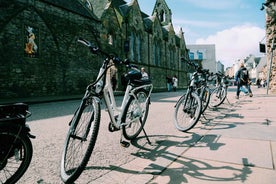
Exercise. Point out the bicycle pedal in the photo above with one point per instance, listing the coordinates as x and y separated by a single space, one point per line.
112 128
125 144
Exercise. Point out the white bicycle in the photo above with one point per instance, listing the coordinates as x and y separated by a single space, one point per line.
129 117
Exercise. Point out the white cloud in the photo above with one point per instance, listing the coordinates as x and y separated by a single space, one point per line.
235 43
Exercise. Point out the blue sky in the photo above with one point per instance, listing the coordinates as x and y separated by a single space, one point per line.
235 26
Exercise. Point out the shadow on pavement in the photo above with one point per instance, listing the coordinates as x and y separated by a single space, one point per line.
183 167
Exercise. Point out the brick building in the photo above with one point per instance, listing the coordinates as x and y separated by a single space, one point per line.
40 55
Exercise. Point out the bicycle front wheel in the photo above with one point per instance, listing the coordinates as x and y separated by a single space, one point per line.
217 96
187 112
205 98
80 140
135 115
15 155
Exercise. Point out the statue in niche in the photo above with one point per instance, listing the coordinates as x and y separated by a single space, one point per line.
31 48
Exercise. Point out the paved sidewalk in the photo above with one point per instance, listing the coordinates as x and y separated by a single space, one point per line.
236 143
238 146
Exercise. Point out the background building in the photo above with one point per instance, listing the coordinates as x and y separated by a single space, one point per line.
40 55
220 67
255 66
204 54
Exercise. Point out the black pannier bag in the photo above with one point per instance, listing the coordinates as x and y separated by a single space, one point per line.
132 75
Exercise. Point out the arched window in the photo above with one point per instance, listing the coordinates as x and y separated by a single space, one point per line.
135 47
157 53
132 45
172 58
138 48
162 16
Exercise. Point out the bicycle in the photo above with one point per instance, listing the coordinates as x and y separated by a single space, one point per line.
219 93
129 117
15 147
189 106
202 87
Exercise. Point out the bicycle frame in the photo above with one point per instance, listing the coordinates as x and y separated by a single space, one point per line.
102 87
114 111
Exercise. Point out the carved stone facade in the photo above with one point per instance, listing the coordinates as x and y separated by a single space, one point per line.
270 6
40 55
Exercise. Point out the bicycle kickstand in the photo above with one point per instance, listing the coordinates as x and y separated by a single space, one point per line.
147 137
203 115
228 101
123 143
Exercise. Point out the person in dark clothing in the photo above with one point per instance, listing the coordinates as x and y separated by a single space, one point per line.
243 82
169 83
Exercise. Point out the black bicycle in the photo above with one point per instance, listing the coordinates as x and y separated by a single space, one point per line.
219 94
189 106
15 146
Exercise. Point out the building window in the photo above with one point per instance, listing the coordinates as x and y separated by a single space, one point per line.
157 53
162 16
172 58
200 55
132 44
191 56
138 48
135 47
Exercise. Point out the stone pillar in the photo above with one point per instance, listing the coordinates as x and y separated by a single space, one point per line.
270 7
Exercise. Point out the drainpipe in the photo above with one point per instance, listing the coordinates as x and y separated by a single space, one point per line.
269 71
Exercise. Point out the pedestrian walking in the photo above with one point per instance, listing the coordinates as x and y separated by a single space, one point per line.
243 81
144 73
174 82
169 83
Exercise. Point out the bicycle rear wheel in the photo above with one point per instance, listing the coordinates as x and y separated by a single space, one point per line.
218 96
80 140
187 112
135 115
15 154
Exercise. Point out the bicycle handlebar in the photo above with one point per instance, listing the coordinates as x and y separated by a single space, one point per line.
95 50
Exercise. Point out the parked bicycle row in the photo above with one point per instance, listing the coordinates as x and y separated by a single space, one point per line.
205 90
129 117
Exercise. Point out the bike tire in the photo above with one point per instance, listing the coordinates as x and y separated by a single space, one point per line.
187 112
15 163
80 140
134 119
218 96
205 98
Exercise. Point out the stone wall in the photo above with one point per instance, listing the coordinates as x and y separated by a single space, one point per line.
59 67
270 35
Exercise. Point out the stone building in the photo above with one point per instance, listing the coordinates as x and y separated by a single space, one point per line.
270 8
40 55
